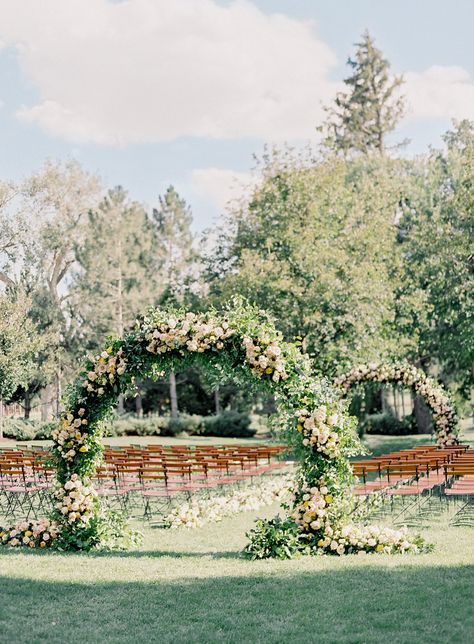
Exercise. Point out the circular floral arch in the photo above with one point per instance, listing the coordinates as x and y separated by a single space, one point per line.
405 375
241 344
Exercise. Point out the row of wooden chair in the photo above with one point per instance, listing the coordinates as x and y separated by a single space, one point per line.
160 475
419 460
464 486
128 473
411 471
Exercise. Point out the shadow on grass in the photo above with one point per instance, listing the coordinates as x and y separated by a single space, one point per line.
124 554
363 605
179 554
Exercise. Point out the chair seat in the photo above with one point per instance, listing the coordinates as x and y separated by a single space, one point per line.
20 488
111 492
161 493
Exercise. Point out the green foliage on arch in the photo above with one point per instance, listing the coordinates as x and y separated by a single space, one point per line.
406 375
242 344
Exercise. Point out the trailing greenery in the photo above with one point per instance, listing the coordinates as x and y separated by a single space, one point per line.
275 539
405 375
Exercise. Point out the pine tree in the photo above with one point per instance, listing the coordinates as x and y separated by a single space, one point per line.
115 280
370 108
174 254
175 258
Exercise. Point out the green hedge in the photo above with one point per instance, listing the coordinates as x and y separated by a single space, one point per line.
388 425
153 426
228 423
21 429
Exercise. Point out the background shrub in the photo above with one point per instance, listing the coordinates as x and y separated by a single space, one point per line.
229 423
388 425
21 429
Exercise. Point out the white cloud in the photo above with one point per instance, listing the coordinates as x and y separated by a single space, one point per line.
144 71
439 92
222 185
154 70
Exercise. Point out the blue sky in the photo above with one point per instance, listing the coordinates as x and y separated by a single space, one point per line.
147 93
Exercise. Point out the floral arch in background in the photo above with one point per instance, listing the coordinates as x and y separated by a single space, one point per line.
405 375
241 344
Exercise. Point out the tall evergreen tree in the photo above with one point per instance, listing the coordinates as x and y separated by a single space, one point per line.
115 279
369 109
175 258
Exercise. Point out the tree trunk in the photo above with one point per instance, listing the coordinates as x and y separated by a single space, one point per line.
422 416
139 402
44 410
217 401
46 403
58 393
173 395
27 404
120 405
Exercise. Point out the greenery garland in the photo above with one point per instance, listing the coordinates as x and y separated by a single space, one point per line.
239 344
406 375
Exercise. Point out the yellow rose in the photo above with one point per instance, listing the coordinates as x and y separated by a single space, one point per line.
379 548
84 448
321 543
329 498
109 349
269 370
299 427
28 533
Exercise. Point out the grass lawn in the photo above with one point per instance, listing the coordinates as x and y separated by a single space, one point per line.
193 586
378 444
